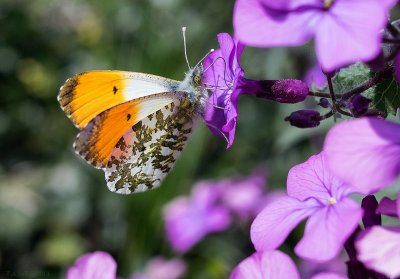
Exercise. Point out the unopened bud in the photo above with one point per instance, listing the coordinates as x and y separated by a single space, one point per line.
358 105
305 118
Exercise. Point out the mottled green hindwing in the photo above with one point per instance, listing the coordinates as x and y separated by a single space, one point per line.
148 151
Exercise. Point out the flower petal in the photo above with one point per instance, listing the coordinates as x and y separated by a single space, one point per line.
271 227
379 249
328 275
340 28
314 179
259 23
388 207
327 230
92 266
359 148
269 264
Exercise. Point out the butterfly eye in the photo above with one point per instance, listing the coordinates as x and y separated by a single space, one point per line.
197 80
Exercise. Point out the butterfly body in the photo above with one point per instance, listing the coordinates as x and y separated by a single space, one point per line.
133 125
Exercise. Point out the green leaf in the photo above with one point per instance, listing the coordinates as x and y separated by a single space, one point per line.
385 96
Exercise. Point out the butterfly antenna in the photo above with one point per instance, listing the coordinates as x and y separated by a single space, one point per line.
204 57
184 45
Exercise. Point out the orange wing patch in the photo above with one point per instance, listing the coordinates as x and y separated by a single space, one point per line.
86 95
97 140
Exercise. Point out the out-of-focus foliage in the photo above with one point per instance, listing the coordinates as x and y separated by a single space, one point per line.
54 207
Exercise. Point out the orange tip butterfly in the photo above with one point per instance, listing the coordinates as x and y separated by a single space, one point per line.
133 125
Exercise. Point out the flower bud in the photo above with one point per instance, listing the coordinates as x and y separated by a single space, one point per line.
358 105
288 91
305 118
324 102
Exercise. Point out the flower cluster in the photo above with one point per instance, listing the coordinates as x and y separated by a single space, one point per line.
211 207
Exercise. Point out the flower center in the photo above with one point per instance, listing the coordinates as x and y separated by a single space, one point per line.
332 201
328 3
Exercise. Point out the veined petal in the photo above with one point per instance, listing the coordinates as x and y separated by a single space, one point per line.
354 27
258 23
379 249
271 227
314 179
327 230
268 264
364 153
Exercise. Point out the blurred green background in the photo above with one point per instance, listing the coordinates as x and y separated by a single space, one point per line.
54 207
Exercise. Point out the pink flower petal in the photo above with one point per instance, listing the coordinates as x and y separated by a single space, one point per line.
379 249
258 23
93 266
271 227
327 230
328 275
314 179
340 29
388 207
364 153
269 264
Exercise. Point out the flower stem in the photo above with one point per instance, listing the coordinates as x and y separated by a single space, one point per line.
322 95
332 93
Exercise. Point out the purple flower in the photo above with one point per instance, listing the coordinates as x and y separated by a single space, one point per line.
313 192
268 264
159 268
93 266
352 26
189 219
364 153
222 74
245 196
379 249
272 265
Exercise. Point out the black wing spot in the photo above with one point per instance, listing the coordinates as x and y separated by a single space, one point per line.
128 117
115 89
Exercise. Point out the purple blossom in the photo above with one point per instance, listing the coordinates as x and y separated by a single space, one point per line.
159 268
352 26
244 196
189 219
313 192
359 148
93 266
222 75
268 264
379 249
272 265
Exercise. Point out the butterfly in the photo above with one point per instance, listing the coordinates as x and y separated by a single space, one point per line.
132 125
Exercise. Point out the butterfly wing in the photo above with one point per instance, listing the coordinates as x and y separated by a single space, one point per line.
86 95
97 140
147 151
